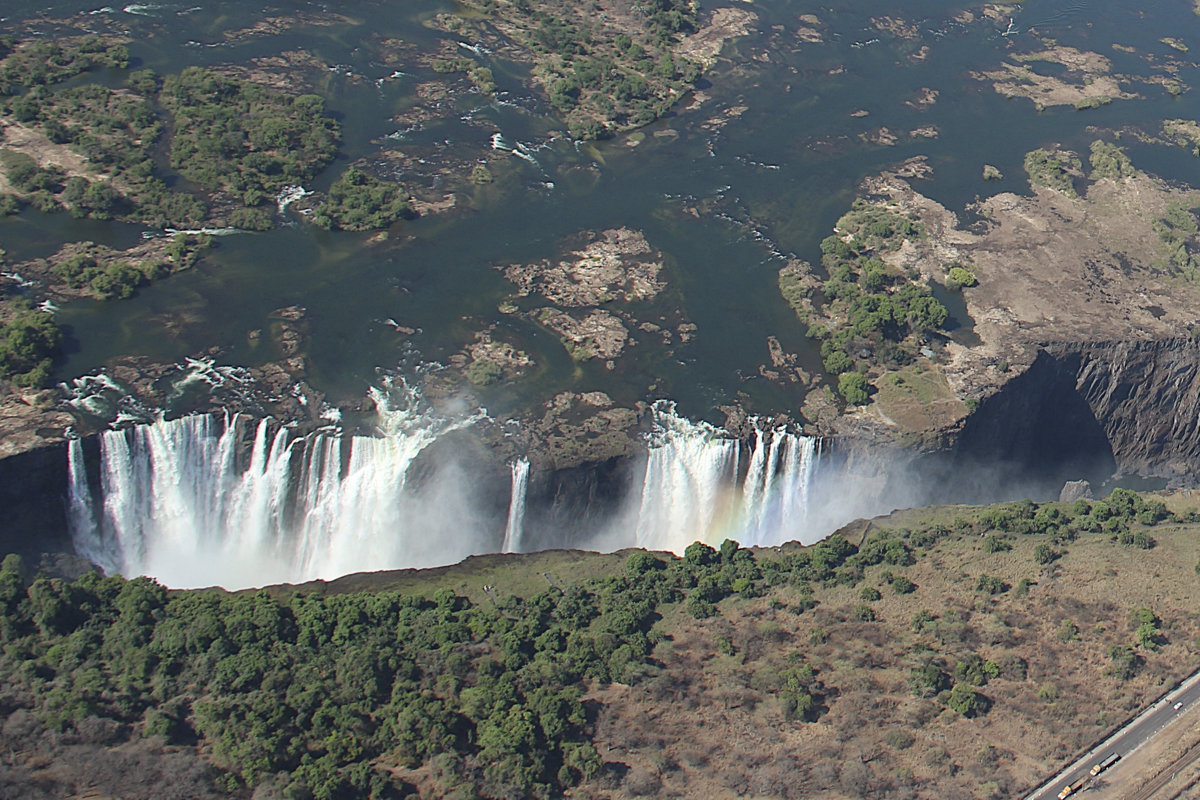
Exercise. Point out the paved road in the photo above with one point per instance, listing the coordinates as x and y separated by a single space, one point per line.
1127 739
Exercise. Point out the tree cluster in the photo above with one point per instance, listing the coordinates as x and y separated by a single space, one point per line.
243 139
1115 515
1053 170
1109 161
602 82
873 314
1177 231
359 202
40 62
357 695
28 344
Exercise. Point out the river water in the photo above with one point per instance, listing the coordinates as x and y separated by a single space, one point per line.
771 182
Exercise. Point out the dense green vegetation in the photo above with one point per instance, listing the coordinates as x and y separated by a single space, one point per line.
1177 231
359 202
29 341
115 131
109 276
1053 170
1109 161
339 696
367 694
228 136
41 62
243 139
872 313
599 80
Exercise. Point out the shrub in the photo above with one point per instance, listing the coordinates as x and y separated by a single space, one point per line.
1125 662
990 584
960 276
1044 554
1148 636
995 544
927 680
967 700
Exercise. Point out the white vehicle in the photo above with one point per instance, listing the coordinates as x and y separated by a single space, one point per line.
1178 705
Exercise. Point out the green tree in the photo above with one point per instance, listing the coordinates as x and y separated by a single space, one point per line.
28 344
853 387
1044 554
967 700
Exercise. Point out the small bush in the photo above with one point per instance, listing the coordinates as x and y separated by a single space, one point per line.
960 276
995 544
990 584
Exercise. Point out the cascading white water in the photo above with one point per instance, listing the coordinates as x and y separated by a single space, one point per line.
175 504
516 506
685 492
187 502
691 490
79 512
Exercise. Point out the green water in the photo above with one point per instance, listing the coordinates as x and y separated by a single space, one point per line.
773 181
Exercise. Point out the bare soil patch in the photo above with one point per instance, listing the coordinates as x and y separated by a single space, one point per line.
726 24
33 143
612 264
1088 76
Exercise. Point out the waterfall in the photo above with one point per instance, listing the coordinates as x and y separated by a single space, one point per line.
79 508
692 489
227 500
685 489
183 502
516 506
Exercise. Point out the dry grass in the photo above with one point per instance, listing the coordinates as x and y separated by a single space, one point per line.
707 724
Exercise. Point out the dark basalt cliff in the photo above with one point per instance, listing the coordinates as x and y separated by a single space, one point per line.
33 487
1146 397
1092 409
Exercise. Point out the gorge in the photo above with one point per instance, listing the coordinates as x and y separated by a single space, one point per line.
237 501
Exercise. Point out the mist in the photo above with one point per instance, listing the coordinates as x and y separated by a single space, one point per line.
225 500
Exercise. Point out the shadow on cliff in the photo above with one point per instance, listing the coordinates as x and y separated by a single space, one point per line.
1029 439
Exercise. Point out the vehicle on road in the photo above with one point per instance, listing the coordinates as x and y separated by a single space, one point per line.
1178 705
1106 763
1069 789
